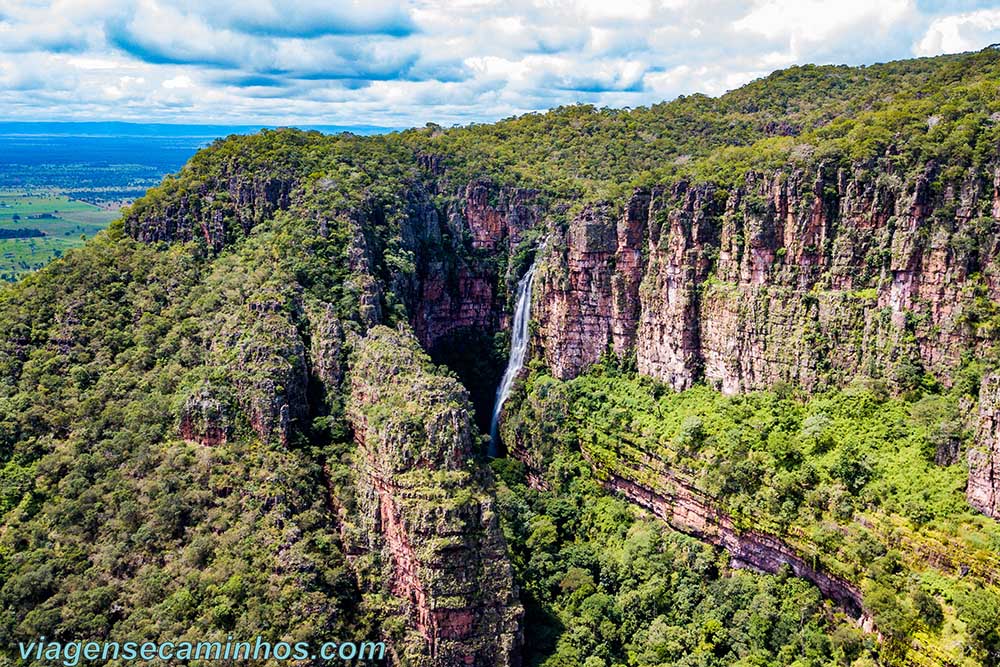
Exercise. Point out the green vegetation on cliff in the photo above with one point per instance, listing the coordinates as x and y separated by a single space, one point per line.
848 477
184 404
606 585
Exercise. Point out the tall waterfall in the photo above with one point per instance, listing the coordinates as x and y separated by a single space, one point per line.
518 347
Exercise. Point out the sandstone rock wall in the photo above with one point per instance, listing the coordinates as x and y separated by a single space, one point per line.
427 507
983 490
238 200
576 318
808 277
459 286
688 511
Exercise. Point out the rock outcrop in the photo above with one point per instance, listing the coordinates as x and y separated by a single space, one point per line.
983 490
689 511
496 217
205 418
226 205
265 357
326 349
427 507
575 320
798 276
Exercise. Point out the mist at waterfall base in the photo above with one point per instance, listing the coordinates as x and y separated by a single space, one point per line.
518 348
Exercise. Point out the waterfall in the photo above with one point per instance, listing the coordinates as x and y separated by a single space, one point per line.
518 347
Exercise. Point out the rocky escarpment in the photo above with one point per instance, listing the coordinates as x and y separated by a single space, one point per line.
809 277
460 287
426 507
983 490
230 203
205 418
265 358
575 320
686 509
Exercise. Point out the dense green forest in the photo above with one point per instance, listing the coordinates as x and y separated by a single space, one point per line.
178 460
606 585
851 471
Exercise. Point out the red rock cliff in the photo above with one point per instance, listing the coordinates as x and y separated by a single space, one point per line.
983 491
428 509
804 277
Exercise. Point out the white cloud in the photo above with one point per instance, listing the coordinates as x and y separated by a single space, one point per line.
818 20
179 81
964 32
403 63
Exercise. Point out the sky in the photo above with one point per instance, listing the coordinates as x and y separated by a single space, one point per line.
401 64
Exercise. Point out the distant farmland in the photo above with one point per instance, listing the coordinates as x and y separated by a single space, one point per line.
44 225
67 180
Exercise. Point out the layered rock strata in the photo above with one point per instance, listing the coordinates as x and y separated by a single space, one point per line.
802 276
425 505
983 491
689 511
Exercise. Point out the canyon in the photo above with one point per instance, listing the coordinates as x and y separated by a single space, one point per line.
767 320
810 280
798 277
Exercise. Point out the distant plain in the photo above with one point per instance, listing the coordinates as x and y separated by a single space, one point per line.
70 180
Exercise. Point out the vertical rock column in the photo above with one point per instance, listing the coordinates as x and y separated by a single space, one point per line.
588 286
682 224
983 491
426 505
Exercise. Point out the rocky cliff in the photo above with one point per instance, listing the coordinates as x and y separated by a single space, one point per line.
460 285
235 187
265 357
686 509
983 491
426 507
809 277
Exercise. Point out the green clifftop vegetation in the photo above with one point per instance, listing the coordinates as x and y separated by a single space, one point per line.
116 523
848 476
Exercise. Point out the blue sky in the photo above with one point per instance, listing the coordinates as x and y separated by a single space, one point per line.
399 64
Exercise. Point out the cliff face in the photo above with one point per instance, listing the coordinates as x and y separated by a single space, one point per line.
460 288
691 512
427 508
496 217
983 491
807 278
227 203
803 277
205 419
575 321
265 357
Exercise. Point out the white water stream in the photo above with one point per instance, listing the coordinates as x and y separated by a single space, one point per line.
518 348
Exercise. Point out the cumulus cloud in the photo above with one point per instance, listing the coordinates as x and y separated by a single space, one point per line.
963 32
376 62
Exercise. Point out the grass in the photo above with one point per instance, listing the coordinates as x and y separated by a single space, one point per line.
67 224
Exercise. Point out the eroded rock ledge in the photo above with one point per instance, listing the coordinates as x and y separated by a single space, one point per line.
426 506
689 511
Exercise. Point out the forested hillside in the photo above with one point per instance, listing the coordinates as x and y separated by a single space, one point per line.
759 426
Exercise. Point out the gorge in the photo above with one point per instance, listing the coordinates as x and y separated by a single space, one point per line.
768 320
